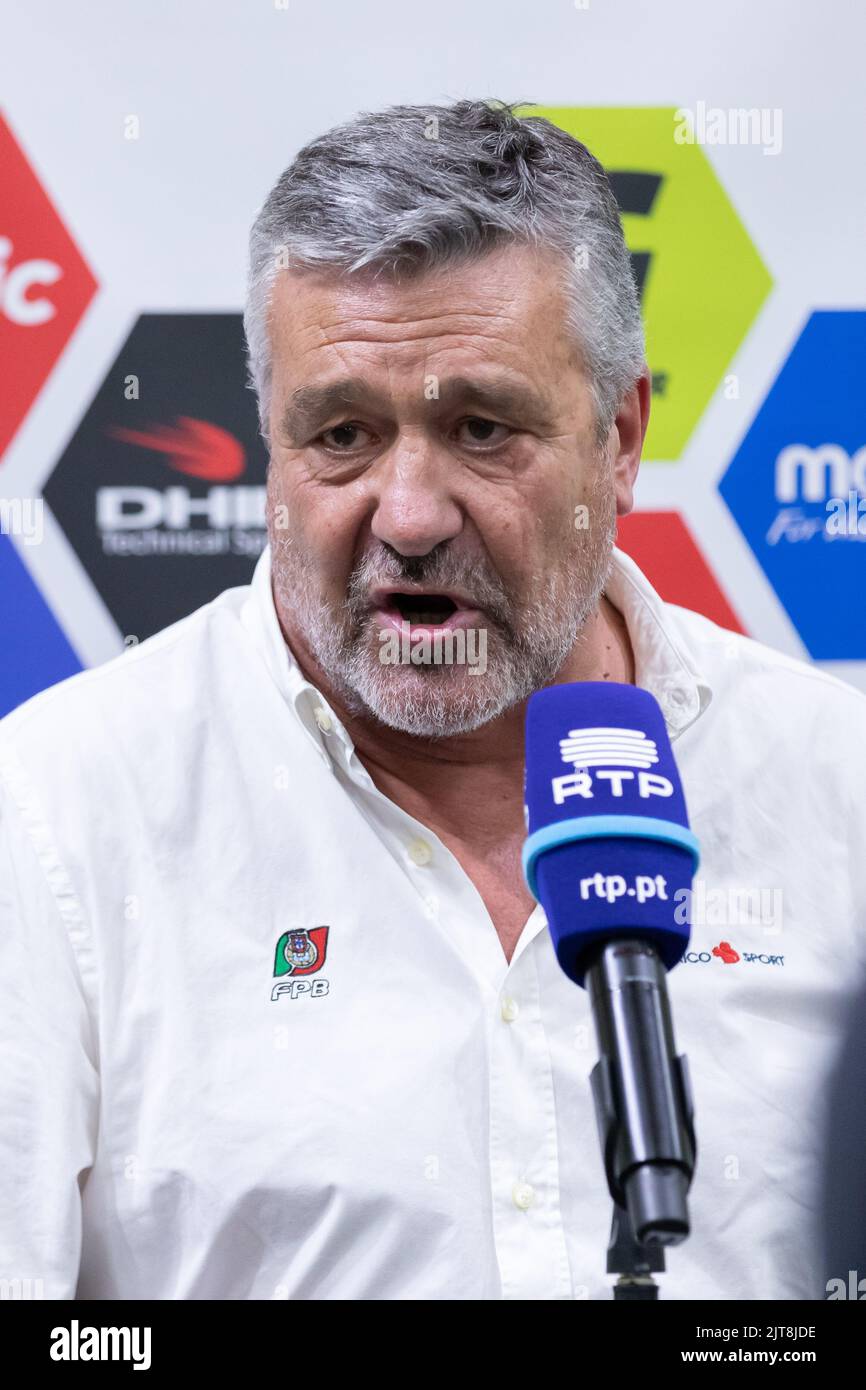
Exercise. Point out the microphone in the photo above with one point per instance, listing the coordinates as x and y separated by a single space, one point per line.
608 854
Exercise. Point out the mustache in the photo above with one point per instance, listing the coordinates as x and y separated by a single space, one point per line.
439 569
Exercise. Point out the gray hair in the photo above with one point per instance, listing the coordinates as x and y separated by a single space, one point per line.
413 188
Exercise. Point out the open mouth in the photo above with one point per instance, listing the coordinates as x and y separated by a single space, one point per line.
426 610
423 612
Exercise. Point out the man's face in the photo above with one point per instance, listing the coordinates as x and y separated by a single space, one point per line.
433 446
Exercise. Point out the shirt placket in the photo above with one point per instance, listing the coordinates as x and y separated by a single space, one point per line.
528 1232
524 1157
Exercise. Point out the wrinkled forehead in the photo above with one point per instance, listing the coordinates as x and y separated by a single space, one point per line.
512 286
502 319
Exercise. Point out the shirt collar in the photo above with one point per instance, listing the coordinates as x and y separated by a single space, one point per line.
259 617
662 665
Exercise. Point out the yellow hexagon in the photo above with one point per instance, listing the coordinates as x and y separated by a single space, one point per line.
702 281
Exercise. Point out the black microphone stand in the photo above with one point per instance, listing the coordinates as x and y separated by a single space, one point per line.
633 1262
645 1113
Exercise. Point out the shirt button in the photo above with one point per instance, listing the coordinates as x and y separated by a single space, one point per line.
510 1009
523 1194
323 719
420 852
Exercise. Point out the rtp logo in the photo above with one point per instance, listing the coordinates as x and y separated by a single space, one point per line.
613 753
797 485
700 279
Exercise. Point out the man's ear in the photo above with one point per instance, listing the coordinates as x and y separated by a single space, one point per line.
628 432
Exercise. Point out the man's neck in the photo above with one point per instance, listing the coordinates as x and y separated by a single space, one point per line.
442 782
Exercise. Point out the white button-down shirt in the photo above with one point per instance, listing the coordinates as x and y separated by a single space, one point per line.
258 1036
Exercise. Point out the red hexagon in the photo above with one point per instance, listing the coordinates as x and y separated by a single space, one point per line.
45 285
662 545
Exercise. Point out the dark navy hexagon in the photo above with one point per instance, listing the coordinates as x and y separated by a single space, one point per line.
797 485
162 488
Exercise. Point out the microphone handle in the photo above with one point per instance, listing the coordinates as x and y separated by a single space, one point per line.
642 1091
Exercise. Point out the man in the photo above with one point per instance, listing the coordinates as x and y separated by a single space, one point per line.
281 1019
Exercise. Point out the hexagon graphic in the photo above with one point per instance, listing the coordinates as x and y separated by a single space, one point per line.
701 279
36 651
662 545
797 485
161 490
45 285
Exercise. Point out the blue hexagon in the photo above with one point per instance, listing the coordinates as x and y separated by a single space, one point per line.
797 485
36 652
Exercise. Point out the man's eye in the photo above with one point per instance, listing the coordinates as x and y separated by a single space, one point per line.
481 431
352 438
343 437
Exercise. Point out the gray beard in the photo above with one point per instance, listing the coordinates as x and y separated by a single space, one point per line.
527 644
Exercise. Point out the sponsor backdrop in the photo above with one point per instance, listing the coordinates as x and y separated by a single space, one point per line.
136 143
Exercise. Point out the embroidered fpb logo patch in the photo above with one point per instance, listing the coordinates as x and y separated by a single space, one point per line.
300 953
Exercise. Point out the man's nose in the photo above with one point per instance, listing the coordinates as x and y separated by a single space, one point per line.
415 507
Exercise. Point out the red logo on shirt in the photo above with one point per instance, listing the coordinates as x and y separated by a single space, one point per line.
726 953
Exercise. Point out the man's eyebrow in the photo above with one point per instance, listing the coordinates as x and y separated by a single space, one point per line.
310 406
503 395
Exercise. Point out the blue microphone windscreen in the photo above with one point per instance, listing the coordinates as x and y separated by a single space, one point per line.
609 850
